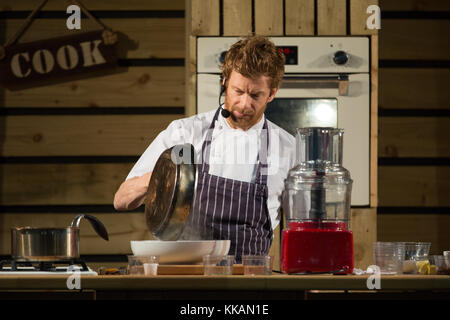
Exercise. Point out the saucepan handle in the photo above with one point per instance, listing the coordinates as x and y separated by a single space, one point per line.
96 224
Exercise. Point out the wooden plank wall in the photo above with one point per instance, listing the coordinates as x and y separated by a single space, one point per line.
66 148
414 142
292 18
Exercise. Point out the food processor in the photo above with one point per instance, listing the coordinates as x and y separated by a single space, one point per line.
316 204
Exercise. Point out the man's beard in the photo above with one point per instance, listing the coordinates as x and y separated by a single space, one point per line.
249 119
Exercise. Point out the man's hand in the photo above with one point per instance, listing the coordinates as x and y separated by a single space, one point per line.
132 193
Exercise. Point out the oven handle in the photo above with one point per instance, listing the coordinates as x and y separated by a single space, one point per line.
300 82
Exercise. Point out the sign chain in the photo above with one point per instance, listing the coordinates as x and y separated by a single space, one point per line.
109 37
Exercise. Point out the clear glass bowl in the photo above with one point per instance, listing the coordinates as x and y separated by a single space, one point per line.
415 250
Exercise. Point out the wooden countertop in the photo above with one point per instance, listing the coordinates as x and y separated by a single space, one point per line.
233 282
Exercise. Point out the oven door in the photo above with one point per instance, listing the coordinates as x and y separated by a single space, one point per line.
317 100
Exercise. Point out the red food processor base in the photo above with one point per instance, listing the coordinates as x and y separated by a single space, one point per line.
308 248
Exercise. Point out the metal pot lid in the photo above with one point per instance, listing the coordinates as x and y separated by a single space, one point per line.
170 192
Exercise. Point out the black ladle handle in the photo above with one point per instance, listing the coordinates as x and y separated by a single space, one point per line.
95 223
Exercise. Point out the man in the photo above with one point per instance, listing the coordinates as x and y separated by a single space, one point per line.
238 199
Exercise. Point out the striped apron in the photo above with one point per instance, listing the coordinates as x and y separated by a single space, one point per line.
227 209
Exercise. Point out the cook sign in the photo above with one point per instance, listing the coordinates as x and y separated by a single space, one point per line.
52 59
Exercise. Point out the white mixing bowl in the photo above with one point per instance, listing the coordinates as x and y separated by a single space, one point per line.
180 252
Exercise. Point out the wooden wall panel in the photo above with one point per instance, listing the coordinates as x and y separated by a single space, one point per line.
274 250
202 19
331 17
415 5
161 38
415 88
414 137
237 17
98 135
363 223
424 39
121 227
374 88
359 16
414 186
427 227
299 17
77 180
205 17
269 17
14 5
190 107
413 84
60 183
133 87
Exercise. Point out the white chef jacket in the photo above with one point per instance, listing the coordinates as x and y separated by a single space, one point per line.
233 155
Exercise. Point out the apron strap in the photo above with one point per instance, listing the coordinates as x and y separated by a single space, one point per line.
206 145
261 173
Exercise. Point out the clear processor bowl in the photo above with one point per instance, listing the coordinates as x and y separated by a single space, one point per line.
318 188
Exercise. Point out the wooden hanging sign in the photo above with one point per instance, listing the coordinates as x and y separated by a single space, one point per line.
38 62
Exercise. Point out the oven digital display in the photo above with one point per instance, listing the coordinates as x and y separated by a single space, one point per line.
291 54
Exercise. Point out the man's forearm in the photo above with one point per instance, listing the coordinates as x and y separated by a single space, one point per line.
132 193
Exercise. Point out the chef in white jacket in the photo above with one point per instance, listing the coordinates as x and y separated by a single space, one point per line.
242 158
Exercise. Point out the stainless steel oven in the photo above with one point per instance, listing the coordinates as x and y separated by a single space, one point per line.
326 84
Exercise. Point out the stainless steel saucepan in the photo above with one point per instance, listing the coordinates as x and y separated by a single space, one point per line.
51 244
171 192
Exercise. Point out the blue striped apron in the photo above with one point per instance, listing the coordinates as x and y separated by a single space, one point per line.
231 209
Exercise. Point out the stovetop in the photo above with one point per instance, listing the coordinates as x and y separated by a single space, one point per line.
45 267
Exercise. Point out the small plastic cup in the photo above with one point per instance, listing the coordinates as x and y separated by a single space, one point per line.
143 265
218 265
389 257
440 263
447 258
257 265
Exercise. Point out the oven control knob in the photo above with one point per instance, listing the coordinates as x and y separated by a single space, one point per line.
340 57
222 56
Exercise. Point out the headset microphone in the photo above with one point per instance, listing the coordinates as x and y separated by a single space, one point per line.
225 113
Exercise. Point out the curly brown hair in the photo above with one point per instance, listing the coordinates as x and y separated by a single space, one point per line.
253 57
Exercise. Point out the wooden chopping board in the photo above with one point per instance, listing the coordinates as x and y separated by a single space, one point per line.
193 269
